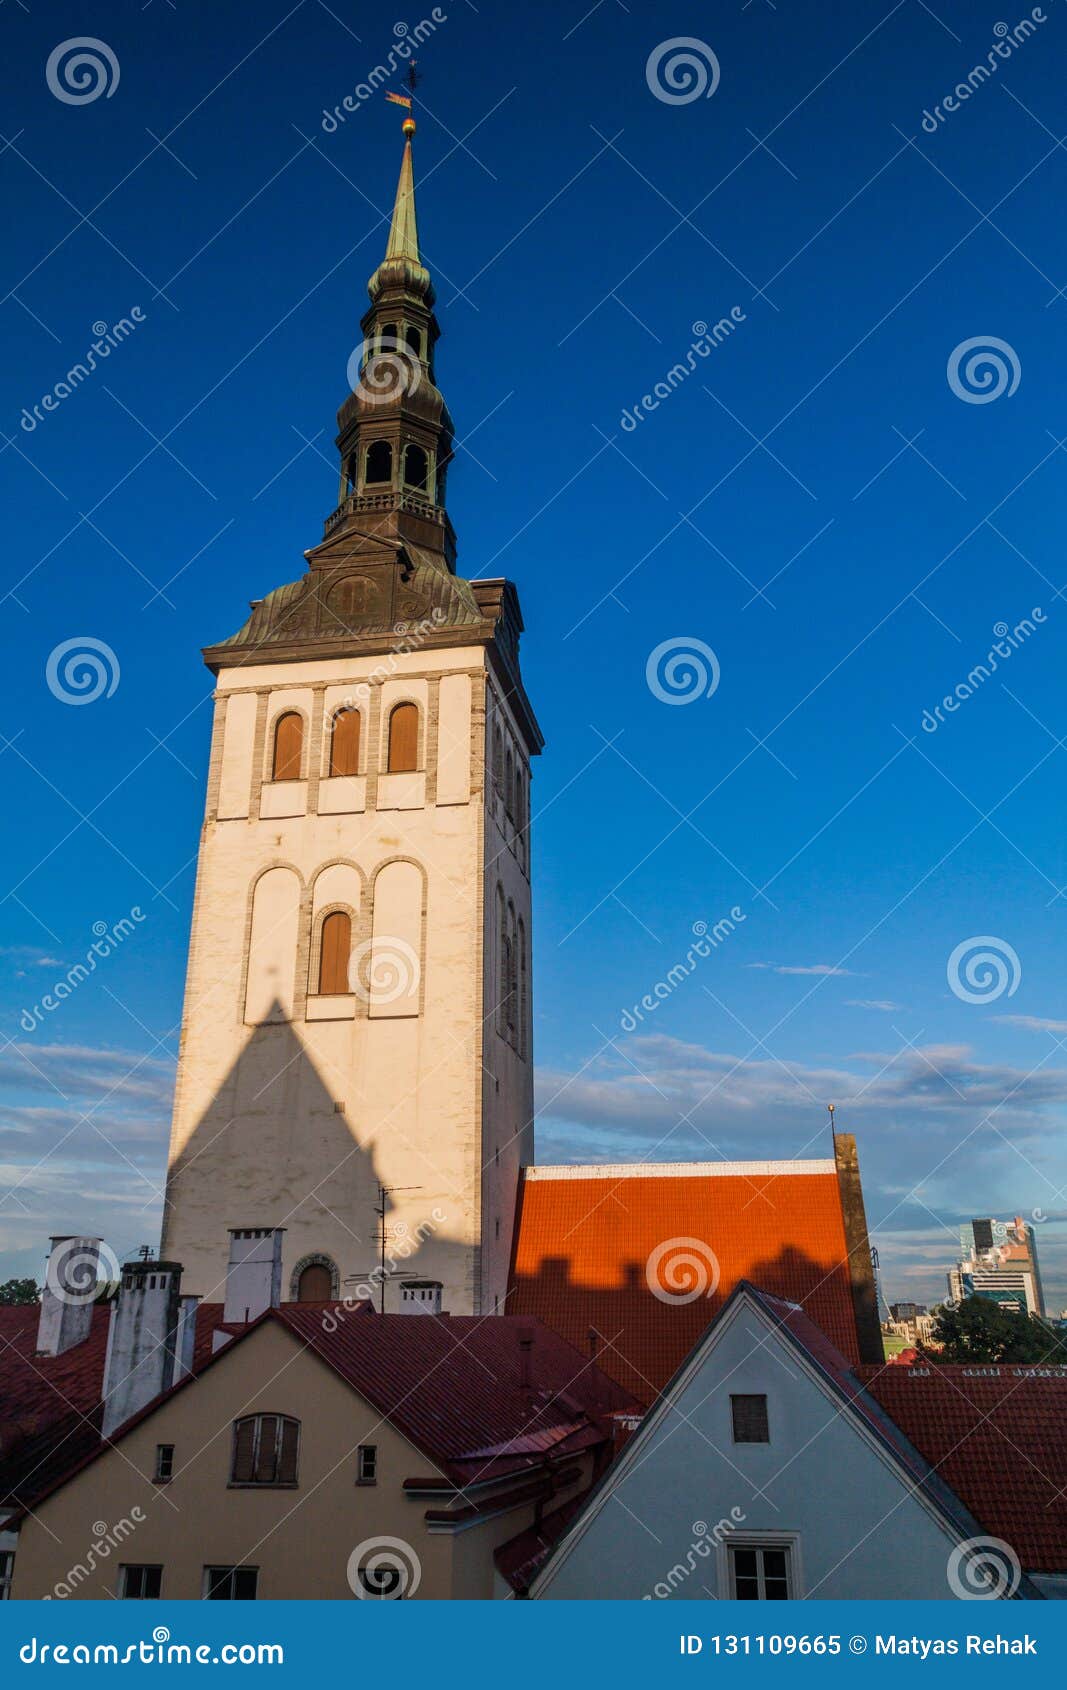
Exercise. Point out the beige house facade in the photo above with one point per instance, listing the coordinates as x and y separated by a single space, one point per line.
166 1510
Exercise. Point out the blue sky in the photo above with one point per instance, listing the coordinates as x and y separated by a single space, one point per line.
815 502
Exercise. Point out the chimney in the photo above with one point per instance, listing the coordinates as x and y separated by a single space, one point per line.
186 1339
254 1276
857 1243
526 1341
68 1295
142 1341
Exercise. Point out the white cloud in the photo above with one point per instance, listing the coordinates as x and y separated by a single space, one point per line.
821 968
885 1004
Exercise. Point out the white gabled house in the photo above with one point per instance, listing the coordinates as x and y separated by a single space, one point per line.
767 1471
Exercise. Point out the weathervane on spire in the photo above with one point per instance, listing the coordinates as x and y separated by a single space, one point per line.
408 99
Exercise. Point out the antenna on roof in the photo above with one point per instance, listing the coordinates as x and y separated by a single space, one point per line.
833 1128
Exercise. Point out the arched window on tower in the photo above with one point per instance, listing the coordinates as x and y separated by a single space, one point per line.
288 746
416 467
344 743
414 340
335 952
404 739
379 463
387 340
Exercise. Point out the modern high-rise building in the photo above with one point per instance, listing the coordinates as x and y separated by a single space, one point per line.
998 1260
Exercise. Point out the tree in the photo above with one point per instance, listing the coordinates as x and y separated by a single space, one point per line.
18 1291
980 1330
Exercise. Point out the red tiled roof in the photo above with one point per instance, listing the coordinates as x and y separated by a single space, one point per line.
996 1435
50 1405
452 1385
585 1240
524 1555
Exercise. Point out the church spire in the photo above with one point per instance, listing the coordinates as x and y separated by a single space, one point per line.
403 231
402 266
394 431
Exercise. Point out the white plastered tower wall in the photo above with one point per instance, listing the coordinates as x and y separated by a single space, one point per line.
381 869
292 1107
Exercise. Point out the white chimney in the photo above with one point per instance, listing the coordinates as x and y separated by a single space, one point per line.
186 1341
143 1340
68 1295
254 1276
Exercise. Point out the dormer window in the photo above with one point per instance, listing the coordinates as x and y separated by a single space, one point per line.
379 470
416 467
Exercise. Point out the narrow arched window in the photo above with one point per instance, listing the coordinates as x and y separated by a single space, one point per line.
498 760
416 467
414 340
315 1284
379 463
265 1450
523 1013
344 743
288 746
404 739
387 341
335 951
509 783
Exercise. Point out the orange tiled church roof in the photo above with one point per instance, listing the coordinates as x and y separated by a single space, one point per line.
590 1240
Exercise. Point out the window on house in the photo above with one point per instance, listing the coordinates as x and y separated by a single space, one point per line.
344 743
759 1573
335 953
288 746
404 739
141 1584
379 462
164 1463
230 1584
265 1450
367 1464
416 467
7 1568
750 1420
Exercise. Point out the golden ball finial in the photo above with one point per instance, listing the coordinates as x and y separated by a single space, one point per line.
409 127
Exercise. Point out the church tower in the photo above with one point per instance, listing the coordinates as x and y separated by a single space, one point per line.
357 1010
